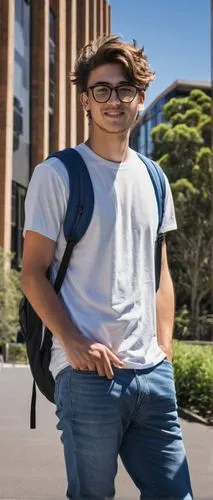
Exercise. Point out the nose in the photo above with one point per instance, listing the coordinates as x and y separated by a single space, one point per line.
114 96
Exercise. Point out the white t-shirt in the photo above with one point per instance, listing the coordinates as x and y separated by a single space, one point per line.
109 287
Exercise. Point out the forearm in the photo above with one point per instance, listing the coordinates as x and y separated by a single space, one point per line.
165 312
49 308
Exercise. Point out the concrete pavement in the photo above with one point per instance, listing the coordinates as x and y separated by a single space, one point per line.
31 462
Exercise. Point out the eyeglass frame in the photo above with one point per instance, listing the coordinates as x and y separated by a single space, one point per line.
116 87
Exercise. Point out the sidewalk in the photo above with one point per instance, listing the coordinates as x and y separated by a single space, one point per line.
31 462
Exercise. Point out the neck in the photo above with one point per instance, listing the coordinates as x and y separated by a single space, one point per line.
112 147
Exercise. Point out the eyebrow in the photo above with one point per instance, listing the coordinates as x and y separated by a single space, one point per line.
101 82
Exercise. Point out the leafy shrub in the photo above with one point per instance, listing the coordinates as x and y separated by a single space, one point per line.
182 323
10 295
17 354
193 368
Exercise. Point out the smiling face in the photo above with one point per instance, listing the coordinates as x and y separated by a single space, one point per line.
113 116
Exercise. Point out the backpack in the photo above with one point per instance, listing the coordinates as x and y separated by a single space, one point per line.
77 219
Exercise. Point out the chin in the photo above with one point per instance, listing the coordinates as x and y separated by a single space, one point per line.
116 129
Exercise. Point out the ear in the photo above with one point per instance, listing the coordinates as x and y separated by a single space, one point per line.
84 99
142 96
140 107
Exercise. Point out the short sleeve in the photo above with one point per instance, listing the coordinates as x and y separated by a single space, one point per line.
169 220
46 199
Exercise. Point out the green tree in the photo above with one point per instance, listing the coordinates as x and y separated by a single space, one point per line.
182 146
10 295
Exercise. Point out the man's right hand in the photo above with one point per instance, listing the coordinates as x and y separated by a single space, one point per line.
85 354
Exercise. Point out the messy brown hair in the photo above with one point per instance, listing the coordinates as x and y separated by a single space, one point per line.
112 49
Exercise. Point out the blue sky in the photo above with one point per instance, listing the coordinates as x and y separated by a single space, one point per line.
175 35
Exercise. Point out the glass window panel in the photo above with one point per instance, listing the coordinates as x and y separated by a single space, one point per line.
52 25
51 132
21 110
18 198
19 11
149 138
52 78
142 141
14 208
160 118
153 121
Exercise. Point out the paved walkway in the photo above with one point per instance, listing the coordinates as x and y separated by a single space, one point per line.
31 462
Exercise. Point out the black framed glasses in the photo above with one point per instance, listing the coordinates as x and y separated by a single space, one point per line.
125 92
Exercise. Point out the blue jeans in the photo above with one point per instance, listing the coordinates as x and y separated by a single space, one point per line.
134 416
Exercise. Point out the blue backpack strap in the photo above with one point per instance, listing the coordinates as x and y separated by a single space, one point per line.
158 181
81 199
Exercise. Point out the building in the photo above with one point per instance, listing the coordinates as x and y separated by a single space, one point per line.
141 139
40 109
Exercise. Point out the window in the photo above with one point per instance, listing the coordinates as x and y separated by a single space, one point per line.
154 121
143 140
19 12
149 138
52 78
17 222
21 97
17 122
21 125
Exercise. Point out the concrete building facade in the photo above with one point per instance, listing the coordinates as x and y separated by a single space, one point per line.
40 109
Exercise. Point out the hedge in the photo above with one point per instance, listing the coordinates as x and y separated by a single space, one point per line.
193 369
17 354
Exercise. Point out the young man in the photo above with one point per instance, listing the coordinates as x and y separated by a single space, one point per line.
112 349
